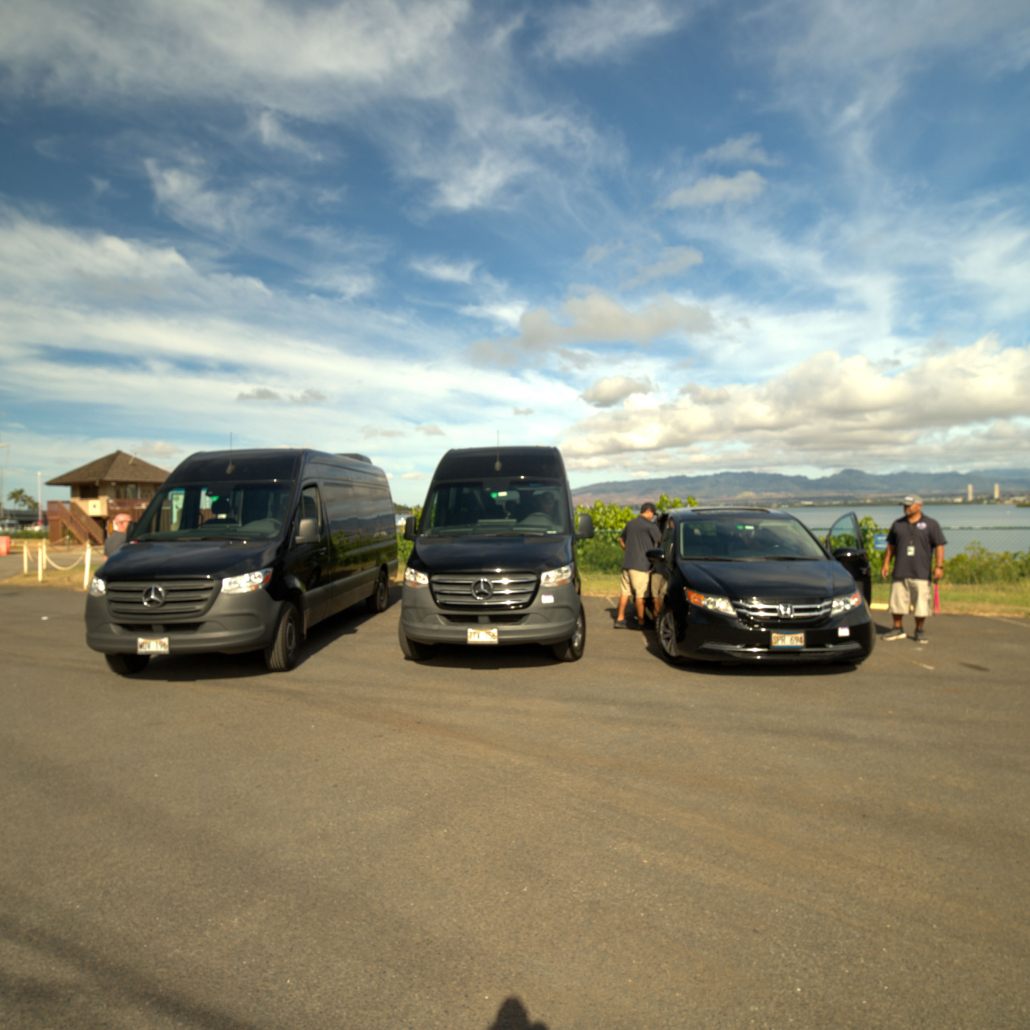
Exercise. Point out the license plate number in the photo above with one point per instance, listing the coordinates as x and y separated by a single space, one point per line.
788 640
482 636
152 645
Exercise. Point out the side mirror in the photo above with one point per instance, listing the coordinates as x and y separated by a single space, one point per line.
584 527
307 531
409 528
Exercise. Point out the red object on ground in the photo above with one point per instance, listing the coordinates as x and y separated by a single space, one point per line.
937 599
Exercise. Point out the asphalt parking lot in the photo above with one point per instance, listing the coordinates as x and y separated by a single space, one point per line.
495 840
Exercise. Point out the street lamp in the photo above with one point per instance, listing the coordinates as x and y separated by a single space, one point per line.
3 466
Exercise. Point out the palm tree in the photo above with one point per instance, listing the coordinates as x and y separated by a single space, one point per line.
22 499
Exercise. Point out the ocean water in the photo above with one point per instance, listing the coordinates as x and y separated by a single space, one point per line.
998 527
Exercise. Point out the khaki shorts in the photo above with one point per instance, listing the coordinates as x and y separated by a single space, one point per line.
659 585
910 595
634 582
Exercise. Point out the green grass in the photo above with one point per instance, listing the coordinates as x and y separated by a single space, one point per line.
956 598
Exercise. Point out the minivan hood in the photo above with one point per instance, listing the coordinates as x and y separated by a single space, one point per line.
213 558
474 553
787 579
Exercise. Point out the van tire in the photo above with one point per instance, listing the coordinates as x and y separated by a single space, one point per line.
379 600
412 649
127 664
281 656
571 650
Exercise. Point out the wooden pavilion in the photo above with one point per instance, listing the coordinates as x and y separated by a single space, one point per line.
117 482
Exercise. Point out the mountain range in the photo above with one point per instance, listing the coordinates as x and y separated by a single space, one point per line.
846 485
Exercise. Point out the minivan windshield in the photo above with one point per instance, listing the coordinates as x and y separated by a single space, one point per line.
505 506
215 511
742 537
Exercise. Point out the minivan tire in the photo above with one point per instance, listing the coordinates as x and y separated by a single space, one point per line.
571 650
379 600
282 655
127 664
412 649
666 633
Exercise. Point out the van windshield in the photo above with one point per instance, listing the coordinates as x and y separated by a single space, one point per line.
215 511
510 506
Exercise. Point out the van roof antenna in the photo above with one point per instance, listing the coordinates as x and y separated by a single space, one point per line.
231 467
497 460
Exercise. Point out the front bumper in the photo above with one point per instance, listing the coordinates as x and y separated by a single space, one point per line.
233 624
710 637
540 622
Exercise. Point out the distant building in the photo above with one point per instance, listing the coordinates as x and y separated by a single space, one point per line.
969 493
101 489
997 491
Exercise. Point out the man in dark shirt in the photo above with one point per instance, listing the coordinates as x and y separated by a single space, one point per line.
637 538
116 538
915 543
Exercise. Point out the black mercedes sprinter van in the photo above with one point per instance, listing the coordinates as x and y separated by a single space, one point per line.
242 551
494 560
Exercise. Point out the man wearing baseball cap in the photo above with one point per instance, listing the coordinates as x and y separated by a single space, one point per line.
915 544
638 536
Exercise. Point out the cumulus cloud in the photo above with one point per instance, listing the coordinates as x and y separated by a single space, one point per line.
606 393
605 28
430 430
444 271
739 150
595 318
830 405
263 393
669 263
719 189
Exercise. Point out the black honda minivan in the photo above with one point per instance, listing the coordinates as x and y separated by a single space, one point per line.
494 560
242 551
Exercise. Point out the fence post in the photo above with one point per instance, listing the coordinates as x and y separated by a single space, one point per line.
25 558
40 560
86 564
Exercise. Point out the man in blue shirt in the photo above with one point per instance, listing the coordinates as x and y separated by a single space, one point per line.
915 543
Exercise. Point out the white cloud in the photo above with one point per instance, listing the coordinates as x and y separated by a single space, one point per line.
608 28
669 263
444 271
740 150
719 189
606 393
595 318
829 407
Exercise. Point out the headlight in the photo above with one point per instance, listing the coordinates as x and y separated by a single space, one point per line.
710 602
845 603
97 587
414 578
556 577
247 583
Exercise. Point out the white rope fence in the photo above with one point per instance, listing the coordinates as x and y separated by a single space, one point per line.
43 560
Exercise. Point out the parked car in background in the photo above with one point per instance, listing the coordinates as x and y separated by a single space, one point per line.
493 558
753 584
243 551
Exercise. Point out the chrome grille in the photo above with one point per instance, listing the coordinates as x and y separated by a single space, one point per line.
183 598
484 589
792 612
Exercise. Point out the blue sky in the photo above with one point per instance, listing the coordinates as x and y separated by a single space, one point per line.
668 237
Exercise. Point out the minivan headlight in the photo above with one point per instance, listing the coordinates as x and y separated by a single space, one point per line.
97 587
710 602
845 603
247 583
414 578
556 577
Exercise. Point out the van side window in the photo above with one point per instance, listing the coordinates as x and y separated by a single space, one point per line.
310 508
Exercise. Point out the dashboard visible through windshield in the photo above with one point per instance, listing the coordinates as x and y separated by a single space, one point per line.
216 511
505 506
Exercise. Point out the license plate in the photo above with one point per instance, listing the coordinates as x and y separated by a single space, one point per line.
152 645
482 636
788 640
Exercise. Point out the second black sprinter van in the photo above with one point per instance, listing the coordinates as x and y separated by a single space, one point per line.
243 551
494 560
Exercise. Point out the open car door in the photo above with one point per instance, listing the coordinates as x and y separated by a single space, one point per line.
844 541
